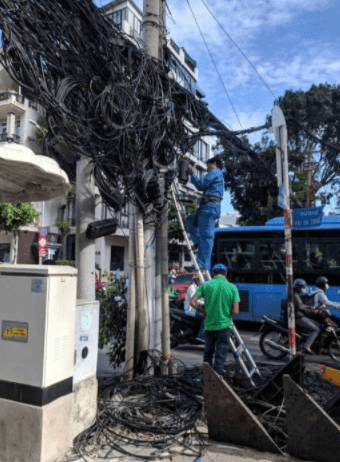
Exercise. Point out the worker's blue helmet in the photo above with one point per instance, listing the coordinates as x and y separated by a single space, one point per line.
220 267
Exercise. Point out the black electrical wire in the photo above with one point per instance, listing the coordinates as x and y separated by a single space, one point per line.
104 98
239 49
214 63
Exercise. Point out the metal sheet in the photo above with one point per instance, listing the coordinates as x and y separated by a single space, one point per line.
229 419
312 434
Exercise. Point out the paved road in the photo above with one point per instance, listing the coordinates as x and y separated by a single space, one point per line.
193 355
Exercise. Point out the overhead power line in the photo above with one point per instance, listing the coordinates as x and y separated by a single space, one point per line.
239 49
214 63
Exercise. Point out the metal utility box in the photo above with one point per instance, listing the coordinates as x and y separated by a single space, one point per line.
37 319
86 340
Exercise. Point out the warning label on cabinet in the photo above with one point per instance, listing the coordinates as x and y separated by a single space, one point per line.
15 331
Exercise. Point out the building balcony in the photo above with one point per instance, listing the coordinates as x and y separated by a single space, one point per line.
4 138
11 102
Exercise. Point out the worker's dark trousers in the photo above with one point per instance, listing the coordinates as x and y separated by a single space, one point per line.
216 341
203 234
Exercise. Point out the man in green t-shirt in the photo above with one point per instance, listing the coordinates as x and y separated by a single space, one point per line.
221 302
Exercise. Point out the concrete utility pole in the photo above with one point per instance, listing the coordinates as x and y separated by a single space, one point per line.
280 131
85 214
154 37
131 313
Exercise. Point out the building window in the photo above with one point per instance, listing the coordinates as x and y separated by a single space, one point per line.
189 61
118 16
122 216
71 219
117 258
201 150
174 256
4 253
71 247
187 257
174 46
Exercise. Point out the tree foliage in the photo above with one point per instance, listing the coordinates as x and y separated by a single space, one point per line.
311 116
315 112
12 216
252 184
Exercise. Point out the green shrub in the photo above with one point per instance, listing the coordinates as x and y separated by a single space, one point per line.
66 262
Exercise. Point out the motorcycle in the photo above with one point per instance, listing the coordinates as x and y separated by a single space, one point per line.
274 340
183 328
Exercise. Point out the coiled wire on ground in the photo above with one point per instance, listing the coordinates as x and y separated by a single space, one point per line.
160 416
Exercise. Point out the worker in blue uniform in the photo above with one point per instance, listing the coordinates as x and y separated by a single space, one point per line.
202 223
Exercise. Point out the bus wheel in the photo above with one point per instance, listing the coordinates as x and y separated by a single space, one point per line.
270 343
334 350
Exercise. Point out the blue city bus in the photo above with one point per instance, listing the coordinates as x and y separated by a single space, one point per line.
255 256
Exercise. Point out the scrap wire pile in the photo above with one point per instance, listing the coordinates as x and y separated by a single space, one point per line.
104 97
158 417
273 416
148 418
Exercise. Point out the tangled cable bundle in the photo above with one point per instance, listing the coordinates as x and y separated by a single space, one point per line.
149 418
104 97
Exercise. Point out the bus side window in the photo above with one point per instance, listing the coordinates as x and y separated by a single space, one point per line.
227 254
246 255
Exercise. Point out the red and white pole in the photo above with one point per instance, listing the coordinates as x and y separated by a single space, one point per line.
280 130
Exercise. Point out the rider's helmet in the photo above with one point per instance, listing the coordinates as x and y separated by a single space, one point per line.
299 284
219 267
322 283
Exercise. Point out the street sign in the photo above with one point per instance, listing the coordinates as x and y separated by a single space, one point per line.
307 218
281 199
42 241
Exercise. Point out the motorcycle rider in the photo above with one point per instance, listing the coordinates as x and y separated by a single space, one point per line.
302 312
321 301
191 311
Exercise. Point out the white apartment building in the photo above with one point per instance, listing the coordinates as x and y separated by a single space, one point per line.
13 100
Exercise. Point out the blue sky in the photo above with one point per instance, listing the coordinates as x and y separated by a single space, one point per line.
292 44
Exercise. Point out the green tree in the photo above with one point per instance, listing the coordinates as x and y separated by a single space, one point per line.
12 216
311 116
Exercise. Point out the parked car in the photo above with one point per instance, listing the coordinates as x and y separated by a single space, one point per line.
182 283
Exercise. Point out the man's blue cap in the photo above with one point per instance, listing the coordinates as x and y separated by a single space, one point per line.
220 266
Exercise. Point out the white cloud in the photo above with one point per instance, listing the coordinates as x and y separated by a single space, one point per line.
243 19
315 66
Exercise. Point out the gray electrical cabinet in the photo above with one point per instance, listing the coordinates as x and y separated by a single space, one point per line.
37 319
86 340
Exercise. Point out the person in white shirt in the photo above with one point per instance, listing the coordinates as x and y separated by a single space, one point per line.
191 311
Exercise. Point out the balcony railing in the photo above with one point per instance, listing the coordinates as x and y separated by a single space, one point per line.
4 137
33 105
6 95
20 99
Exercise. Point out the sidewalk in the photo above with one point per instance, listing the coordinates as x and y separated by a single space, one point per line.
216 452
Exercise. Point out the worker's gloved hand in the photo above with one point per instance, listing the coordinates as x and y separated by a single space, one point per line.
191 170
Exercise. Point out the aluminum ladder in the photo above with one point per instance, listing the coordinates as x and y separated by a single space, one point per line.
238 347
